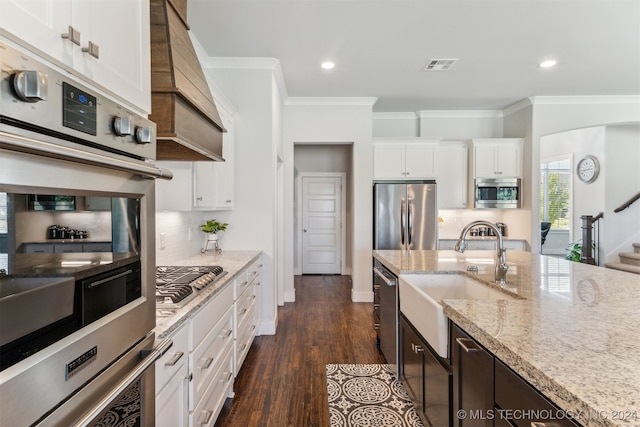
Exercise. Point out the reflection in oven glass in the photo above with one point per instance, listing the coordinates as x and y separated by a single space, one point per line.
125 411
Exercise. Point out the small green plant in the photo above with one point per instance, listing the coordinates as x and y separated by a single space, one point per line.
213 226
574 251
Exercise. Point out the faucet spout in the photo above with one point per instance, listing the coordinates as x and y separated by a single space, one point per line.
501 256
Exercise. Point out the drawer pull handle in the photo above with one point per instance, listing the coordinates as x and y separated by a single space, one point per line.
376 306
418 349
205 417
226 377
245 283
225 333
253 297
207 363
243 311
461 342
243 347
172 362
376 287
72 35
376 326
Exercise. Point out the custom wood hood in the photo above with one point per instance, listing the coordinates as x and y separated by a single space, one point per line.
188 124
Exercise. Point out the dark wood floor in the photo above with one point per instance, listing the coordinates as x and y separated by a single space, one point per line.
282 381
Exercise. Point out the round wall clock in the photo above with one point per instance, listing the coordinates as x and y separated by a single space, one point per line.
588 169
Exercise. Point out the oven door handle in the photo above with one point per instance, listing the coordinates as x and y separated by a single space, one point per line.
136 373
108 279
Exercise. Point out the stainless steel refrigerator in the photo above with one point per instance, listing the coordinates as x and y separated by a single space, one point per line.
405 215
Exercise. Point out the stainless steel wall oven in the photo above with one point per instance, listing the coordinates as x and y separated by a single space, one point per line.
59 136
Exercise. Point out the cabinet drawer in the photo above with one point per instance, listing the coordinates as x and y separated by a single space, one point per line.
249 277
245 338
512 392
174 360
221 385
210 315
206 359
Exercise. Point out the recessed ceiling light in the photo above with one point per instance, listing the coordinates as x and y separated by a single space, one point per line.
327 65
548 63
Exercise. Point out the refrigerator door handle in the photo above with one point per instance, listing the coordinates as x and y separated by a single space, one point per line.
410 227
402 221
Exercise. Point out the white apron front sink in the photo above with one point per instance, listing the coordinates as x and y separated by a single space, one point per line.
420 297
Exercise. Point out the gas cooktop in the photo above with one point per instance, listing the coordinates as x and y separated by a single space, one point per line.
177 285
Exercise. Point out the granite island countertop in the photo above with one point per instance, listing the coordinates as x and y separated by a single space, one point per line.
233 262
573 333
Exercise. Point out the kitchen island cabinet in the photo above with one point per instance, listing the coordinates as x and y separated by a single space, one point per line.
172 380
561 335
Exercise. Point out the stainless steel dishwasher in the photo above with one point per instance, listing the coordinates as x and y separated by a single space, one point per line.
386 289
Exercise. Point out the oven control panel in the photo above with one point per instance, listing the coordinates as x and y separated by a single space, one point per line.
38 99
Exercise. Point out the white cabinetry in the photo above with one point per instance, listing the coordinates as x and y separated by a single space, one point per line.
199 186
211 365
117 60
451 175
497 158
246 311
404 158
172 378
482 244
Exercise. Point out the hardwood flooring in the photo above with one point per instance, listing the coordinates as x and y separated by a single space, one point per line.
282 381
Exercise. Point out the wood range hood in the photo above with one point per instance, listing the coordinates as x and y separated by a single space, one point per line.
188 124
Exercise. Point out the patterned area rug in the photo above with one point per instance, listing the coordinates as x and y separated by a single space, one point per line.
368 395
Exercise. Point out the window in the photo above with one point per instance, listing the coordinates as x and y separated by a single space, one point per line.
555 191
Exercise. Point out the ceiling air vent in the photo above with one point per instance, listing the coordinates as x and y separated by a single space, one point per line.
440 64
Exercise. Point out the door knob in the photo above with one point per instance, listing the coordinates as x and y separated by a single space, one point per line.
305 230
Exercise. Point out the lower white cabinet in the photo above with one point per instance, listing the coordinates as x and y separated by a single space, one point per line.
211 349
172 379
194 378
246 311
483 245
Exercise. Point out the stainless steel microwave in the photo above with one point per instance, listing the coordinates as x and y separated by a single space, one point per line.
502 193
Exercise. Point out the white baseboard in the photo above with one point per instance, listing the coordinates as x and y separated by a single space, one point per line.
290 296
269 327
360 296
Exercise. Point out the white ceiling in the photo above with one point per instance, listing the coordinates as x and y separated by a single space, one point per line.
381 46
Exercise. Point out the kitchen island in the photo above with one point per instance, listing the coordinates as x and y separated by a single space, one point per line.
572 333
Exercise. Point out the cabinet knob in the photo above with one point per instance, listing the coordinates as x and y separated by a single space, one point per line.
72 35
92 49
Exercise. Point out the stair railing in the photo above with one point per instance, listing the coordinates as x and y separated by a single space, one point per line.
628 203
587 238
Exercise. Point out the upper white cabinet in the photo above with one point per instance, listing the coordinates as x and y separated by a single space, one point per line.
104 42
497 158
404 158
452 175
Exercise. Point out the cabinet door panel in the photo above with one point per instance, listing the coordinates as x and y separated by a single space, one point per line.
39 23
452 177
472 369
484 161
512 392
123 66
412 366
509 159
437 391
388 161
420 161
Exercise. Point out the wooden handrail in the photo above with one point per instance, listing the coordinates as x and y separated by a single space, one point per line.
627 203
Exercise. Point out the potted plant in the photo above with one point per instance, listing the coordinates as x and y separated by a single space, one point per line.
212 226
574 251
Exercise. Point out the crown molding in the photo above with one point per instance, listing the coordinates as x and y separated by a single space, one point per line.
395 116
335 101
456 114
590 99
520 105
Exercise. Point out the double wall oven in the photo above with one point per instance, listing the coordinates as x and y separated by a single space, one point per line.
76 332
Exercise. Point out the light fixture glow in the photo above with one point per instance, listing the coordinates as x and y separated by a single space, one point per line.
328 65
548 63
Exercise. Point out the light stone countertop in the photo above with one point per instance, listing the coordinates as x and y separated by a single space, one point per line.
234 262
573 334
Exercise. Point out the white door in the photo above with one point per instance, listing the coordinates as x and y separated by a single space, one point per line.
321 225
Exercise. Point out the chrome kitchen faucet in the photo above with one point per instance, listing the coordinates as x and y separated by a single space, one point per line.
501 259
